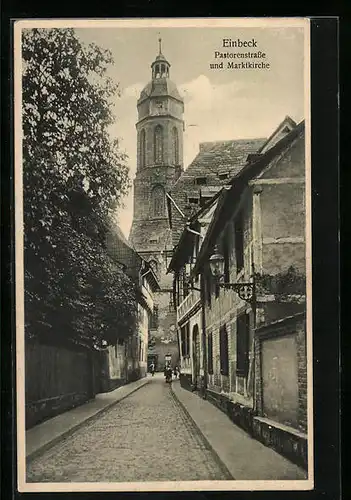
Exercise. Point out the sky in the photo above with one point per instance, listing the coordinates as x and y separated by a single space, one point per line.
219 104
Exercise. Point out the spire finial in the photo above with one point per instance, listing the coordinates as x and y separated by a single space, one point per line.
159 45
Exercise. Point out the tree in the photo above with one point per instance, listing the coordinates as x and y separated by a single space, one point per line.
74 177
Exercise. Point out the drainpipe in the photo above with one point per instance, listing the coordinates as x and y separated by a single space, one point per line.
204 343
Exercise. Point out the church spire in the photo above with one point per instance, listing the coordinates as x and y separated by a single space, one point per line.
160 66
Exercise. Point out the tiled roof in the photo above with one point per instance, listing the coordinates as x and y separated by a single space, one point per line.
160 87
122 252
231 196
214 160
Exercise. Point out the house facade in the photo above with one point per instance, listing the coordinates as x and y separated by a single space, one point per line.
253 340
127 360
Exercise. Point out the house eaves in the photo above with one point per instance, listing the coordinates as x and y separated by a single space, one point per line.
228 204
187 237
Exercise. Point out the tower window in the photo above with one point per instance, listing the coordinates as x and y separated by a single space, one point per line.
158 144
142 148
175 146
158 201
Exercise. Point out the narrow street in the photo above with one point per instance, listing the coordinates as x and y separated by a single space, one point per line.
146 437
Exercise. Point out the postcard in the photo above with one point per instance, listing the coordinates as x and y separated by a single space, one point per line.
163 255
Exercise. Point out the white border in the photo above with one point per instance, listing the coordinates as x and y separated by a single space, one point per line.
171 485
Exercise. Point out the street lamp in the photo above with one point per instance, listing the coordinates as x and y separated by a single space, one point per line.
246 291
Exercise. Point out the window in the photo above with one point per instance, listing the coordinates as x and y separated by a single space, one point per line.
223 349
158 201
242 344
223 177
239 242
187 337
210 353
175 146
185 340
154 318
158 144
142 148
200 181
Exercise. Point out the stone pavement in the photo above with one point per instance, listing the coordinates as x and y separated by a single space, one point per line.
44 435
145 437
245 457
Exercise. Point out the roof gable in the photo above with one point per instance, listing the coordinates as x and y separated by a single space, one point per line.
284 128
290 163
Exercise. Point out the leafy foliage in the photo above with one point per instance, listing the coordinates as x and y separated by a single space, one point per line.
74 177
283 286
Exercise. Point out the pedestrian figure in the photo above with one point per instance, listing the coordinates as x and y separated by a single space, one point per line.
152 369
168 373
176 371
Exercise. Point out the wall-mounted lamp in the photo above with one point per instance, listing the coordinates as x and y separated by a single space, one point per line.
246 291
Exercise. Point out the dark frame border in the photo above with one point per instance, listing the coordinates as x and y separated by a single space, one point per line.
325 221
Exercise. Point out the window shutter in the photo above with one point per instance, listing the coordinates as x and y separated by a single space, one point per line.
242 343
210 353
224 350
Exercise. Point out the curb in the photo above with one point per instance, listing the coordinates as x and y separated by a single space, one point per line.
203 437
70 431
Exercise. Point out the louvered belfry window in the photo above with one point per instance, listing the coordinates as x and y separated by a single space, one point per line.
158 144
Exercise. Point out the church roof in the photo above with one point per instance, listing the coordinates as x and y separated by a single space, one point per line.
161 57
214 166
160 87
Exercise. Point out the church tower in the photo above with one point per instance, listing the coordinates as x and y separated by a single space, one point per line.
160 129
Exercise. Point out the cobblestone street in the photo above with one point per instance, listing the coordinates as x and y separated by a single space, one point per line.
146 437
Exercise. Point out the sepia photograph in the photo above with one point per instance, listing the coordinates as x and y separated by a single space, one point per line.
163 255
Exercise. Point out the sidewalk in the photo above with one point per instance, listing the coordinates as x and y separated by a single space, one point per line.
245 457
45 435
